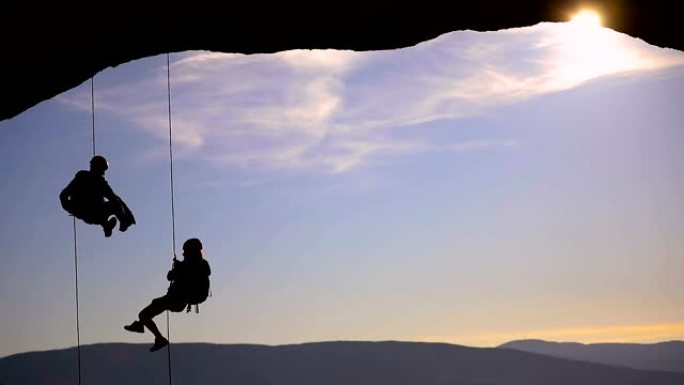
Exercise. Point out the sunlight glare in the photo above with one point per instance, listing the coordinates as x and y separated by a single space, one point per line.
586 50
586 19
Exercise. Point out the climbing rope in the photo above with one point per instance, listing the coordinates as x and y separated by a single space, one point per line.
173 212
78 326
78 323
92 107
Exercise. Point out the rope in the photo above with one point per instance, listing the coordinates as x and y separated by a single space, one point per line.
78 323
92 107
78 326
173 212
168 348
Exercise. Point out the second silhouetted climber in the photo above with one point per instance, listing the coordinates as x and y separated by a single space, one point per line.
189 286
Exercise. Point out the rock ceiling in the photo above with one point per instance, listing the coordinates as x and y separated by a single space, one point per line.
50 48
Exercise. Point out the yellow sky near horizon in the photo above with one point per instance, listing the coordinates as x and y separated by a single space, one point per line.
643 333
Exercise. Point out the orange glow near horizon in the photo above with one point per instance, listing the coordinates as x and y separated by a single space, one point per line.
648 333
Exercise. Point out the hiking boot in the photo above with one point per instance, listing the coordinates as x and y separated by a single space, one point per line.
109 226
124 226
159 343
135 327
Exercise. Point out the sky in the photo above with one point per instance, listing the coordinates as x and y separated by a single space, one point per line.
473 189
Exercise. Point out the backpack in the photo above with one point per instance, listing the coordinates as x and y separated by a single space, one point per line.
193 282
198 290
197 286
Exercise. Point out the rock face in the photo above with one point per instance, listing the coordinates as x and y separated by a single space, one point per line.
48 48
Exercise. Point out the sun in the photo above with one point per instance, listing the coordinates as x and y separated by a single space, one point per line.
583 49
589 19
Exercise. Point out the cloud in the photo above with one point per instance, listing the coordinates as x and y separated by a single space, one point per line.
332 111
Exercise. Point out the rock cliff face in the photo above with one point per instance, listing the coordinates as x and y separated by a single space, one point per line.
50 47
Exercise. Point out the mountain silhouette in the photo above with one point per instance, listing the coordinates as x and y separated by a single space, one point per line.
330 363
658 356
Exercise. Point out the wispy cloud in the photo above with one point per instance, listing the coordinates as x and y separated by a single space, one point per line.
331 111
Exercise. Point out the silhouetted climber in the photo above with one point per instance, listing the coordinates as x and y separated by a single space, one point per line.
88 197
189 286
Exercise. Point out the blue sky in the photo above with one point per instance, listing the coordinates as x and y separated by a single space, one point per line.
472 189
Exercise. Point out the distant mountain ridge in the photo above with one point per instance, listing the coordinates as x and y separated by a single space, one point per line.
668 356
329 363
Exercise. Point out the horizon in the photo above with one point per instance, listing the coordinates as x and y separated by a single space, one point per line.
481 187
145 344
